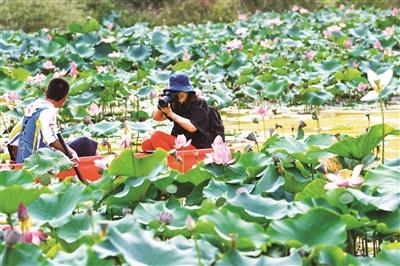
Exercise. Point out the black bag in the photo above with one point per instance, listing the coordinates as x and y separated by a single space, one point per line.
217 127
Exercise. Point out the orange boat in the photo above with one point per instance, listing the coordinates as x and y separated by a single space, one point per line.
183 162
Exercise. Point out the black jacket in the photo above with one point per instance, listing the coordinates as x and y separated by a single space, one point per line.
198 113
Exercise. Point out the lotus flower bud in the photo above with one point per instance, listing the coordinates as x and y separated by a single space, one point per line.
165 217
302 124
252 137
22 212
190 223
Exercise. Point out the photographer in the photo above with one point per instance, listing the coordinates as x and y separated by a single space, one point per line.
192 117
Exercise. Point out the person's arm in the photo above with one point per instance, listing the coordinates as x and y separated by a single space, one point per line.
49 132
183 122
58 146
158 115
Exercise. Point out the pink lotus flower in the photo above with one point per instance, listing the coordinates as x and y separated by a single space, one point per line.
395 11
295 8
309 55
331 29
36 79
234 44
109 39
273 22
348 43
12 96
362 87
45 30
93 109
242 17
262 111
303 11
32 236
389 31
59 74
48 65
114 54
126 141
388 51
185 56
377 45
342 7
74 69
242 32
345 178
265 43
180 142
221 153
109 26
49 38
103 163
101 69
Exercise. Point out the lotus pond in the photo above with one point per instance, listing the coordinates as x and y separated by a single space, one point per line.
309 183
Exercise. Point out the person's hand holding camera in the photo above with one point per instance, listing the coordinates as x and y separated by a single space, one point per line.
166 110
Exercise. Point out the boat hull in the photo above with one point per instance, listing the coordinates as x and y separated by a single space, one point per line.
183 162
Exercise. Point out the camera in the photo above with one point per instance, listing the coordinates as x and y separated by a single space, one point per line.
167 98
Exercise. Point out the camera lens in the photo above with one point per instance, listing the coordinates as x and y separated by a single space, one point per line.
164 101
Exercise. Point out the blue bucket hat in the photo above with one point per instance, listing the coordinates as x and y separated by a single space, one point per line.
180 82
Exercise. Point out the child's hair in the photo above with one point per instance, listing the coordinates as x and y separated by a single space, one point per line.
57 89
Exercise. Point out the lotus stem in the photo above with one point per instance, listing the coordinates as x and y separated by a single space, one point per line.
265 131
4 122
383 128
198 252
9 221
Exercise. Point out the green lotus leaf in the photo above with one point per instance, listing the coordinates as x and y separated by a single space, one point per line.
20 74
15 177
384 179
23 254
148 214
195 176
333 255
317 226
127 164
257 206
269 182
12 196
104 128
138 53
361 146
82 256
317 97
133 191
274 89
235 258
56 209
83 50
231 229
47 160
138 247
387 258
184 65
50 49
